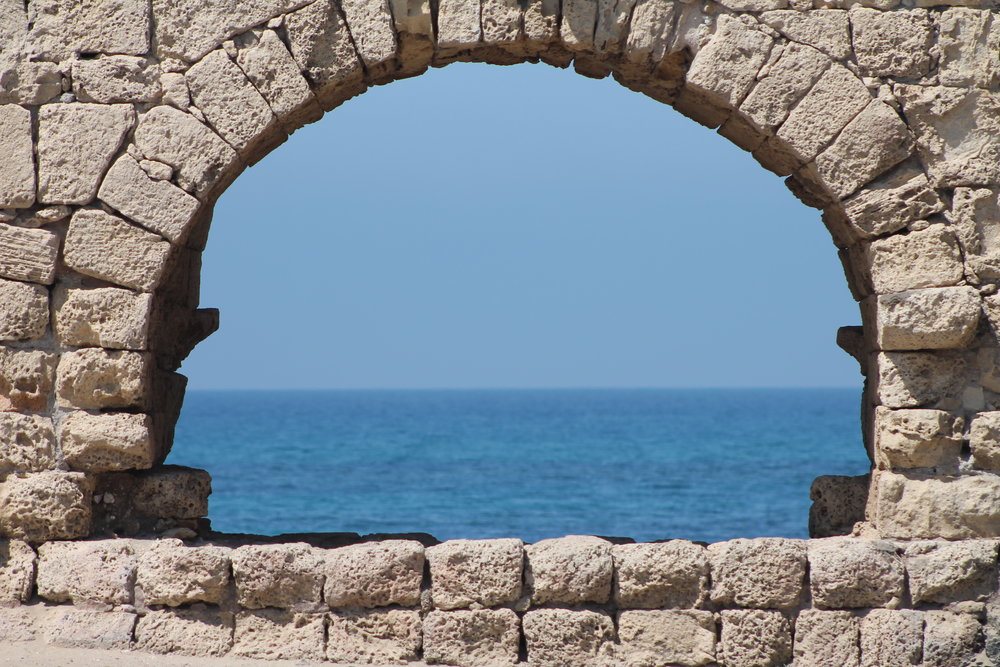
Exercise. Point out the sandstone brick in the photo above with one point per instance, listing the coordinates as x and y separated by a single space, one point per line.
288 576
321 44
28 443
896 43
104 246
501 23
754 637
95 379
107 441
389 636
61 29
374 574
46 506
660 575
916 438
101 572
83 628
918 506
847 573
273 71
17 574
157 205
30 83
913 379
24 310
173 574
579 18
726 68
649 35
106 317
928 258
170 492
951 639
279 635
472 573
921 319
662 638
969 42
943 572
17 174
973 215
18 624
826 639
783 84
838 503
116 79
891 638
890 203
468 637
28 254
197 630
984 440
374 35
569 570
26 379
825 29
459 26
568 637
766 573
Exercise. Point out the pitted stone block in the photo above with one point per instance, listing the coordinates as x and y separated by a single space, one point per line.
104 246
984 440
18 624
173 574
83 628
942 572
374 574
569 637
726 68
468 637
61 29
107 441
27 443
17 573
458 26
94 379
763 573
891 202
569 570
896 43
17 174
157 205
846 573
24 310
928 258
101 572
651 637
827 638
753 637
915 379
825 29
374 36
275 634
288 576
28 254
917 438
115 79
474 573
920 506
891 638
387 636
26 379
659 575
104 317
273 71
951 639
969 42
197 631
45 506
322 46
924 319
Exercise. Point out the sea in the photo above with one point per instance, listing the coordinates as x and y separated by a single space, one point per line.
648 464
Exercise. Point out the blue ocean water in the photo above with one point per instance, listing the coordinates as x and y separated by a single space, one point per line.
701 464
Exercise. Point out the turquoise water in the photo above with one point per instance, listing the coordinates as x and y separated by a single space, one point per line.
704 464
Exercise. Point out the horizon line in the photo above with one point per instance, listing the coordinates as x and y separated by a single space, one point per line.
528 388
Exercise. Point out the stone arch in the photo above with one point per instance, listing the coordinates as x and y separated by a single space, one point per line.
881 119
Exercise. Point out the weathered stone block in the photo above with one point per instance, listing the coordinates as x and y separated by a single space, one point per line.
104 246
374 35
28 443
569 570
891 638
30 83
754 637
289 576
274 634
374 574
322 46
94 379
82 628
650 34
468 637
26 379
116 79
896 43
28 254
24 310
415 32
943 572
46 506
568 637
826 639
173 492
766 573
891 202
197 630
969 43
928 258
101 572
173 574
662 638
61 29
825 29
579 18
984 440
916 506
937 318
951 639
273 71
838 503
916 438
157 205
459 27
17 175
783 84
18 624
17 574
847 573
473 573
105 317
914 379
388 636
726 68
660 575
103 442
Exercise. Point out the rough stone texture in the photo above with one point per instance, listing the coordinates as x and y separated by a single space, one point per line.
288 576
275 634
18 624
469 637
24 310
826 639
104 246
951 639
786 81
81 628
656 638
26 379
17 573
838 504
28 254
374 574
100 572
847 573
106 317
61 29
765 573
275 74
891 638
156 204
95 379
891 202
29 443
754 638
322 46
914 379
893 43
568 637
116 79
825 29
925 319
30 82
17 175
970 48
660 575
726 68
379 636
919 506
975 213
984 440
107 441
928 258
173 574
943 572
374 35
474 573
569 570
46 506
197 630
916 438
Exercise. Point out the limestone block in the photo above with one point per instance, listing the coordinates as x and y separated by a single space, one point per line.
61 29
28 254
613 24
458 26
24 310
232 105
726 68
157 205
826 639
29 443
17 573
974 213
469 637
912 379
984 439
200 156
568 637
158 171
17 174
942 572
30 83
197 630
916 438
173 574
891 638
660 575
782 84
501 22
838 503
83 628
892 202
105 246
116 79
46 506
274 634
389 636
875 140
374 574
951 639
107 441
101 572
415 32
765 573
26 379
95 379
275 74
473 573
76 143
661 638
846 573
371 25
105 316
289 576
896 43
13 26
18 624
650 34
322 46
970 47
569 570
753 637
917 506
175 90
579 18
919 319
172 492
825 29
927 258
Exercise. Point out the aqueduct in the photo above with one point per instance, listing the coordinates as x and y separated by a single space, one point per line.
122 121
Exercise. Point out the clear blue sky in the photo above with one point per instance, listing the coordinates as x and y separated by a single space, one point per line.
483 226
